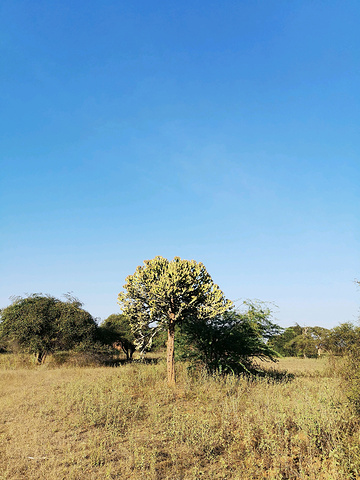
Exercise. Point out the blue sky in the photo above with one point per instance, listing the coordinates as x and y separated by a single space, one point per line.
226 132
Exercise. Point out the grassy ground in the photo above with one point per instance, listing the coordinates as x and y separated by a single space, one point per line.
110 423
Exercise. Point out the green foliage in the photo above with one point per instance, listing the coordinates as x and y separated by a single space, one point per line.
230 342
159 341
342 339
40 324
282 342
116 331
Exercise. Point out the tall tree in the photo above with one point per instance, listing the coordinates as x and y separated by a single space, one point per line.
162 294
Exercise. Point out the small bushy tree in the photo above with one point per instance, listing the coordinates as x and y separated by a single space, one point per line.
232 341
40 324
116 331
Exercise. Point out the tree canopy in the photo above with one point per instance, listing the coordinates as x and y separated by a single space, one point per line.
40 324
162 294
342 338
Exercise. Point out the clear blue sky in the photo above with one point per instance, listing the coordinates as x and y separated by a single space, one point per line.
223 131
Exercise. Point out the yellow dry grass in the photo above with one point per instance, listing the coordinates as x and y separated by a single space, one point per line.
110 423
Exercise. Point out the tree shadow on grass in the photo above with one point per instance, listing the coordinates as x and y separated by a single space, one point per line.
116 362
254 373
271 375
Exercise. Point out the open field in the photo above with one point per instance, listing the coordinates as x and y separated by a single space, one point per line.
109 423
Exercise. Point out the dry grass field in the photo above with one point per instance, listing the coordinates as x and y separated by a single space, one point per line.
97 423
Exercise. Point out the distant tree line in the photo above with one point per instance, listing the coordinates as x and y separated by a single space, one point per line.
168 303
312 342
228 342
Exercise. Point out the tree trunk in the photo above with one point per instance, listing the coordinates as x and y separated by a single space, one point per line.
170 359
132 350
40 357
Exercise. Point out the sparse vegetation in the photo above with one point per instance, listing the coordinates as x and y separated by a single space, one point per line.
111 423
232 415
